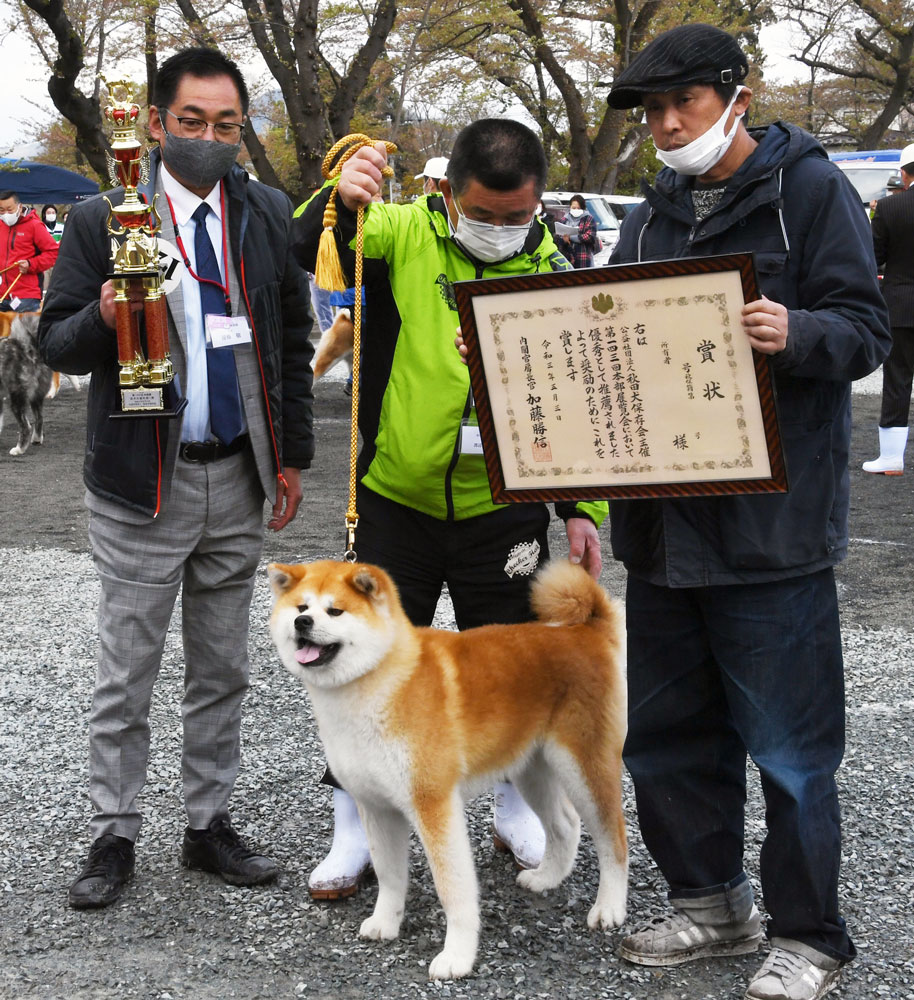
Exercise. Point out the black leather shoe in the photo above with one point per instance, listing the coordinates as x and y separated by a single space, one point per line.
219 849
105 873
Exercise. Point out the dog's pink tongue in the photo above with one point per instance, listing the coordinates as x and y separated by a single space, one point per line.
308 653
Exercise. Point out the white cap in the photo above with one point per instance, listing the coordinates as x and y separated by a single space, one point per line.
906 159
435 168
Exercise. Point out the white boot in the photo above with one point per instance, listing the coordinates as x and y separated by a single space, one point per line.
892 441
340 873
517 827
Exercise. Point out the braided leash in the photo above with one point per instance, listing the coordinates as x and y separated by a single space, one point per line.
329 275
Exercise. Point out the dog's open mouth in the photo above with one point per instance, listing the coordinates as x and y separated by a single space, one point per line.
310 655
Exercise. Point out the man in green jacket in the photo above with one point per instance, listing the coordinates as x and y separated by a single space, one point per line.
425 510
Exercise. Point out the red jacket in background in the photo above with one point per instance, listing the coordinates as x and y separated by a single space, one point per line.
29 240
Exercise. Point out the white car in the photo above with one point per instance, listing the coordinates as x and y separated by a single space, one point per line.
869 170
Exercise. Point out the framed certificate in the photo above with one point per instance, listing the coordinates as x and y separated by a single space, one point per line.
628 381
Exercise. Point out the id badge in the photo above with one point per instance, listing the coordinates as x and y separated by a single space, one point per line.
470 438
226 331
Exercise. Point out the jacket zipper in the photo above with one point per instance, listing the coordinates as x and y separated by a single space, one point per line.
455 457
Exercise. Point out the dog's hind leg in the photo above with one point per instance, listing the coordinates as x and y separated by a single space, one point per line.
542 790
388 843
20 408
593 780
443 831
38 421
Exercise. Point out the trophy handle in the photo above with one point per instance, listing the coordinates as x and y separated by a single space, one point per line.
154 210
112 218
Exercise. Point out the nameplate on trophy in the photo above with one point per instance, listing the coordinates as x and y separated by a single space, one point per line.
142 400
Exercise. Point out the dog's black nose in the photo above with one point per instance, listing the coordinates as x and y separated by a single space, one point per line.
304 623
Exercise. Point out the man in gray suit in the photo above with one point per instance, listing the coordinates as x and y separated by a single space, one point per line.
893 241
177 504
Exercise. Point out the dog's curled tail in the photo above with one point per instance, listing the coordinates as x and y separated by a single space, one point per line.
567 594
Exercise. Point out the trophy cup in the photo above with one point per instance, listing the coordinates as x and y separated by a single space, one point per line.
148 387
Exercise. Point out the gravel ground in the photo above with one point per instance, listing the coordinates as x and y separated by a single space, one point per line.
179 934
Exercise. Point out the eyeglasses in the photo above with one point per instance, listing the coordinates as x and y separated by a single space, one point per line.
195 128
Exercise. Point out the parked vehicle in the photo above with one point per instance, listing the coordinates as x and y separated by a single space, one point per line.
869 170
621 204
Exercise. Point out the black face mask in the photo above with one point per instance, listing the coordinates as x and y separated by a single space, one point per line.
199 162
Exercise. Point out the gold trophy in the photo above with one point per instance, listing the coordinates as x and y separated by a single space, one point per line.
148 387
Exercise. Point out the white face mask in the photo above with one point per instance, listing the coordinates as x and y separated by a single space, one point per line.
575 213
486 242
705 152
50 217
10 218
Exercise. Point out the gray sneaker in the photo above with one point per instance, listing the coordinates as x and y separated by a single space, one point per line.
675 939
787 975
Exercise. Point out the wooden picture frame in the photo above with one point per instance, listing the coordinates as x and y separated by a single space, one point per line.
635 380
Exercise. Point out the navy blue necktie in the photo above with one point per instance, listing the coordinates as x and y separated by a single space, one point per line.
221 375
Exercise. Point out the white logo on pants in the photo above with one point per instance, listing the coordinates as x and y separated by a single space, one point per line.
523 559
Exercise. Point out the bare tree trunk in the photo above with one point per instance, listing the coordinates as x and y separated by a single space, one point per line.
84 112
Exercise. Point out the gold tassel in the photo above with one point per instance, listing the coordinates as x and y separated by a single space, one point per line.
328 271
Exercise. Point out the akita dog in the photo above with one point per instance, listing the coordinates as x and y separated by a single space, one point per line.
415 721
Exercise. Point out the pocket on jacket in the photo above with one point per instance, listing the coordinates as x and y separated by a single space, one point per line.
792 530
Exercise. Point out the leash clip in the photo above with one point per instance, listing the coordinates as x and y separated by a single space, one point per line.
352 523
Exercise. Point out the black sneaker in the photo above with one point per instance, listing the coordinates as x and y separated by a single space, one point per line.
219 849
105 873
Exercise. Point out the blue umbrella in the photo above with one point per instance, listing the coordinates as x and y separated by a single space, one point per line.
40 183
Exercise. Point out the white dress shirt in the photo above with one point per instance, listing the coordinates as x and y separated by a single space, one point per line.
184 203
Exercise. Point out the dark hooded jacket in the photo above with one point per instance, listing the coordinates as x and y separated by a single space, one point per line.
813 253
125 459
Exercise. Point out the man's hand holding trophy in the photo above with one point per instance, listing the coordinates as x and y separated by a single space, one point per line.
148 387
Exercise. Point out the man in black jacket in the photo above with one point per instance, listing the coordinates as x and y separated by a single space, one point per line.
734 642
177 505
893 242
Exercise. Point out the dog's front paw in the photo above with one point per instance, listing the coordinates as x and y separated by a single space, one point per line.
16 450
450 965
606 916
537 880
379 928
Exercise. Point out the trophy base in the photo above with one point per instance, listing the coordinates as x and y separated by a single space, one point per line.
163 401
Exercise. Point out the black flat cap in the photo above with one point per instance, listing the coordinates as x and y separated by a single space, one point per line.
691 53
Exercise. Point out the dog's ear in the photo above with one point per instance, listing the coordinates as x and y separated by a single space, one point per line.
367 581
283 578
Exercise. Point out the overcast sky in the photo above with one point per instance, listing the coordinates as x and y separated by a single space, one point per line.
26 101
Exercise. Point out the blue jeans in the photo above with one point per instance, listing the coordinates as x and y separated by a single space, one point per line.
25 305
714 673
320 300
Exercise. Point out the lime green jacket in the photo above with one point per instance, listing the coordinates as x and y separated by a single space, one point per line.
411 450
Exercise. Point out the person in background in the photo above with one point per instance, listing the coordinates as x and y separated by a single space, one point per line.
321 305
27 249
893 243
434 169
547 220
734 638
52 223
579 247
